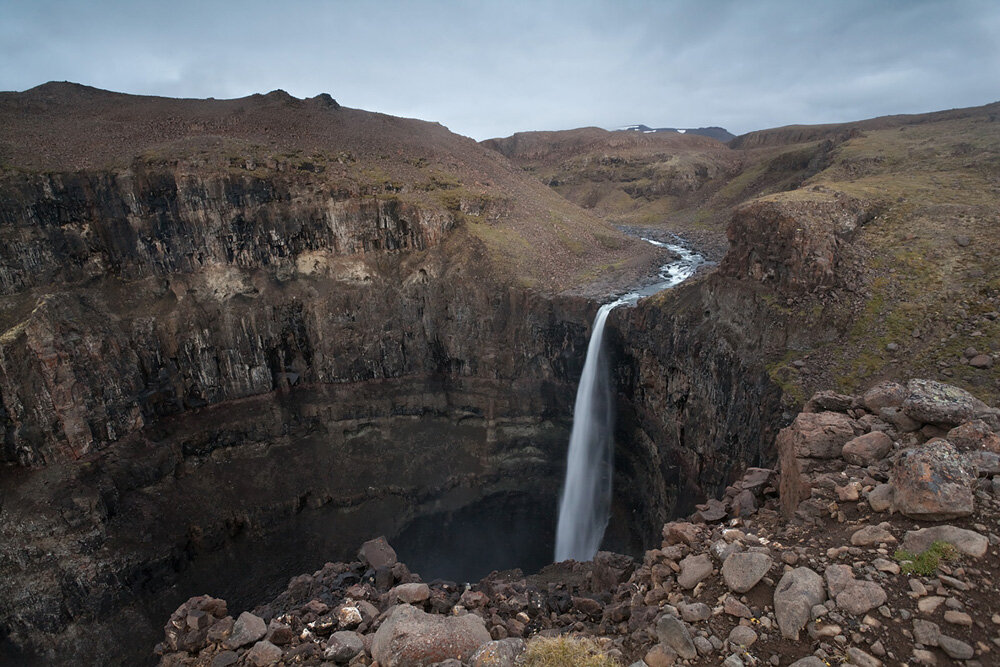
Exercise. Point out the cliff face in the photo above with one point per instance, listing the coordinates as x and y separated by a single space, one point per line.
221 369
216 383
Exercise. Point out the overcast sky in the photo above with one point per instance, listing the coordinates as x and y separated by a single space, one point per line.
489 69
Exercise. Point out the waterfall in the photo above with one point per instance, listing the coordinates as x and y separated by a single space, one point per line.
586 499
585 506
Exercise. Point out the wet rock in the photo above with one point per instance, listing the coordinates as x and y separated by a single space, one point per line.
794 597
867 449
671 631
742 571
502 653
968 542
933 402
377 553
411 637
246 630
932 482
693 570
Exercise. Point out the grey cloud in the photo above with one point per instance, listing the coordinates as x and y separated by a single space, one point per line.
490 69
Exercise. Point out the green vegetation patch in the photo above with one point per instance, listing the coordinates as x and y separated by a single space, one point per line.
926 563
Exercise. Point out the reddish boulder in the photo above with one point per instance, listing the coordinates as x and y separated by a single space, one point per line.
413 638
933 482
867 449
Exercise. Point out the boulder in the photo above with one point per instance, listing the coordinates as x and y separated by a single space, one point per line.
693 570
884 395
411 637
975 435
867 449
742 571
981 361
794 597
377 553
933 402
410 593
829 400
933 482
880 498
899 419
672 632
822 435
246 630
869 535
969 542
262 654
610 570
343 645
860 596
502 653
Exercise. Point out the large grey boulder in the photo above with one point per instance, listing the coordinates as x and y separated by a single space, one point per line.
672 632
796 594
247 630
933 402
933 481
742 571
410 637
968 542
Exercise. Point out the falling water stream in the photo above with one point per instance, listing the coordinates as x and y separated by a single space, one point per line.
586 498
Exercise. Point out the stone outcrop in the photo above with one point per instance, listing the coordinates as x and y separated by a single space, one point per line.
794 246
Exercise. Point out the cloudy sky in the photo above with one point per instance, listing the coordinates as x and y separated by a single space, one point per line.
488 69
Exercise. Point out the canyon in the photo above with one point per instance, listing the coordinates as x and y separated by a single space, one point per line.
241 337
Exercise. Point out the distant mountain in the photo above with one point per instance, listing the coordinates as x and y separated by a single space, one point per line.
717 133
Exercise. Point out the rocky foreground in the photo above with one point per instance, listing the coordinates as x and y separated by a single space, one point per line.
876 544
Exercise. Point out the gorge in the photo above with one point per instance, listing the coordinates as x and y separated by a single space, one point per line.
241 337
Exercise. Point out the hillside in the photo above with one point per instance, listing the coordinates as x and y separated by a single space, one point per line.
531 237
911 289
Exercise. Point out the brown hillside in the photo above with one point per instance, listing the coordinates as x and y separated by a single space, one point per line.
538 239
